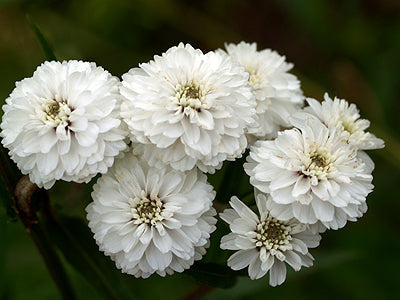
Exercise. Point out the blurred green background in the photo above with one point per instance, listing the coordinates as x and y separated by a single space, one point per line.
349 48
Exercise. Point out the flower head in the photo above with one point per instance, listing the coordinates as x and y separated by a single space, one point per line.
151 220
338 113
193 107
265 243
63 122
312 174
277 92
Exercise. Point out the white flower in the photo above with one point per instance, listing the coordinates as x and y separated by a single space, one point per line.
194 107
265 243
338 113
312 174
63 122
151 220
277 92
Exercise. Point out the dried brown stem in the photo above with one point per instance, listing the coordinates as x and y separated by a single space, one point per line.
23 206
22 200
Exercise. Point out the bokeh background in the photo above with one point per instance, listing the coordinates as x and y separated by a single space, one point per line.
349 48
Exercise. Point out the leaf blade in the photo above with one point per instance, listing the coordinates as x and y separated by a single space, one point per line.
47 49
74 239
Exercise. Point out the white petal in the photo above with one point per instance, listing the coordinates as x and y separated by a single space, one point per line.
88 137
302 186
244 242
163 243
241 259
267 263
243 210
255 271
228 242
304 213
229 215
324 211
156 259
293 260
277 273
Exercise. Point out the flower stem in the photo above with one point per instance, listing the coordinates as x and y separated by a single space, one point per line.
22 201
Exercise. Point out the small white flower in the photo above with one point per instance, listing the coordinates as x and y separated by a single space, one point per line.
151 220
265 243
194 107
64 123
344 116
277 92
312 174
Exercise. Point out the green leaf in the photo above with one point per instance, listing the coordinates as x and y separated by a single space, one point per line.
213 274
73 237
47 49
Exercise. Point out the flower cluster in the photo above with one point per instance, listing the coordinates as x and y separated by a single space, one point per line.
156 133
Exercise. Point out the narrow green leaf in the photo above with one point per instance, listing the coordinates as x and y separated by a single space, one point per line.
73 237
213 274
52 261
47 49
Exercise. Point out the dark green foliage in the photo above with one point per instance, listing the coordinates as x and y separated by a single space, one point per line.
75 240
212 274
9 178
